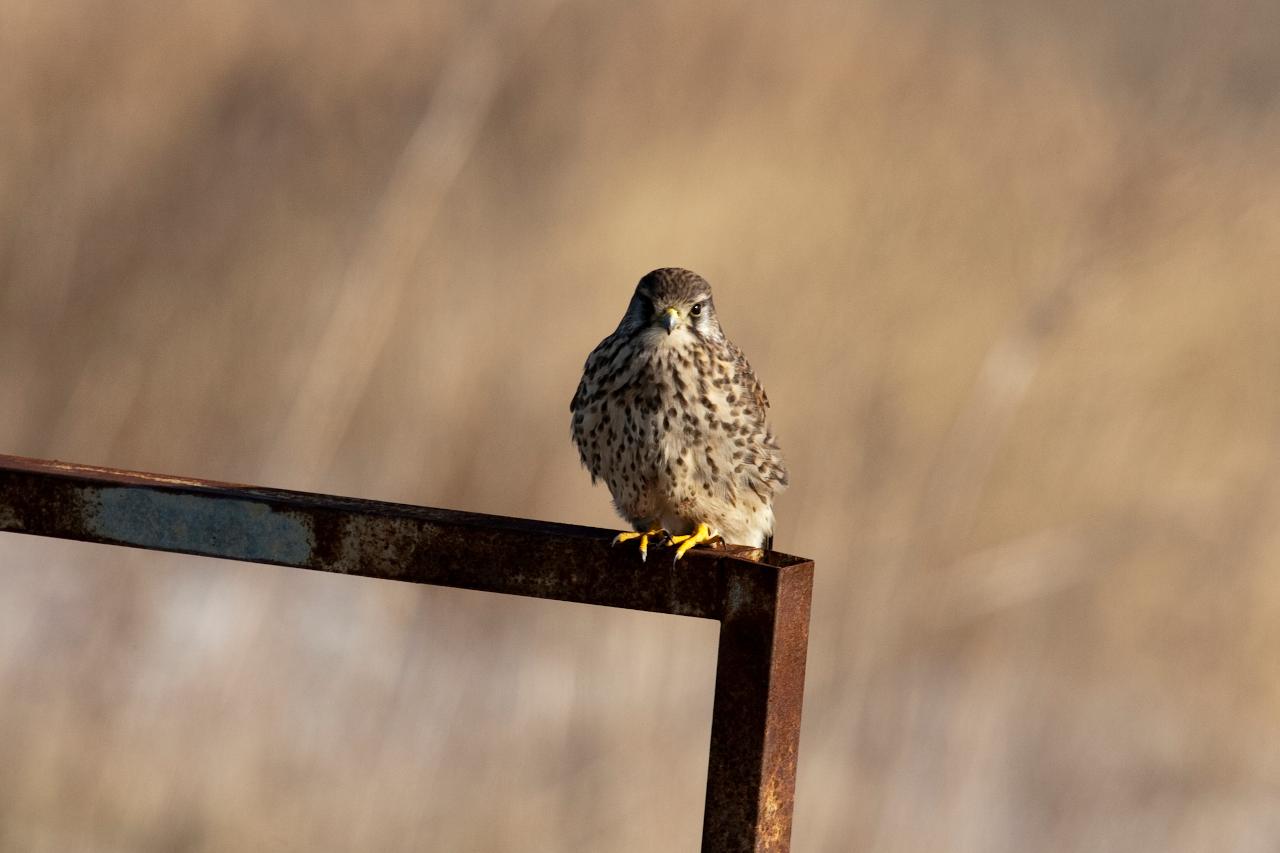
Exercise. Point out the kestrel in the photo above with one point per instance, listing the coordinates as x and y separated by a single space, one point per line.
672 418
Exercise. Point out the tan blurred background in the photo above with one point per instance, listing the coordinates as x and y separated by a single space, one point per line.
1008 270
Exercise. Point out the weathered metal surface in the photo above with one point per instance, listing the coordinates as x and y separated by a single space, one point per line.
755 723
761 598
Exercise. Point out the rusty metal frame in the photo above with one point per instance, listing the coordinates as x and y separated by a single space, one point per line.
761 599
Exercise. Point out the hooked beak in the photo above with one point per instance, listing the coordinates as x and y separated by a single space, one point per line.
669 320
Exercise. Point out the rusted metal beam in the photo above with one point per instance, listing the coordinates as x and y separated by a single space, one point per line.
755 720
760 597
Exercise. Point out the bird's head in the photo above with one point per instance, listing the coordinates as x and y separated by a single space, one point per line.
672 300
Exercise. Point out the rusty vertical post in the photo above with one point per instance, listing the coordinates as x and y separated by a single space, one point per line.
755 724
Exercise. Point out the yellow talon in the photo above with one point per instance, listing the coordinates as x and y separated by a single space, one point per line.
699 536
644 540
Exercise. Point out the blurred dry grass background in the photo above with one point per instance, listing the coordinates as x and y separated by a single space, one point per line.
1008 270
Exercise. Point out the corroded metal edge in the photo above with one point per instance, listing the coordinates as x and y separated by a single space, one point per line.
359 537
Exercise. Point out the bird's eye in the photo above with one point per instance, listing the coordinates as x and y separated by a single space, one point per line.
696 309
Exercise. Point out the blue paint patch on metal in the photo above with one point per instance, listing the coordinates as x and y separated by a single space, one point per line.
737 596
212 526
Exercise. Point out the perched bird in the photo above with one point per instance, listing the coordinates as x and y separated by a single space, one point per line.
671 417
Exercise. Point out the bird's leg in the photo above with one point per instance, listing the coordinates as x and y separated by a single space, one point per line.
701 535
655 531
